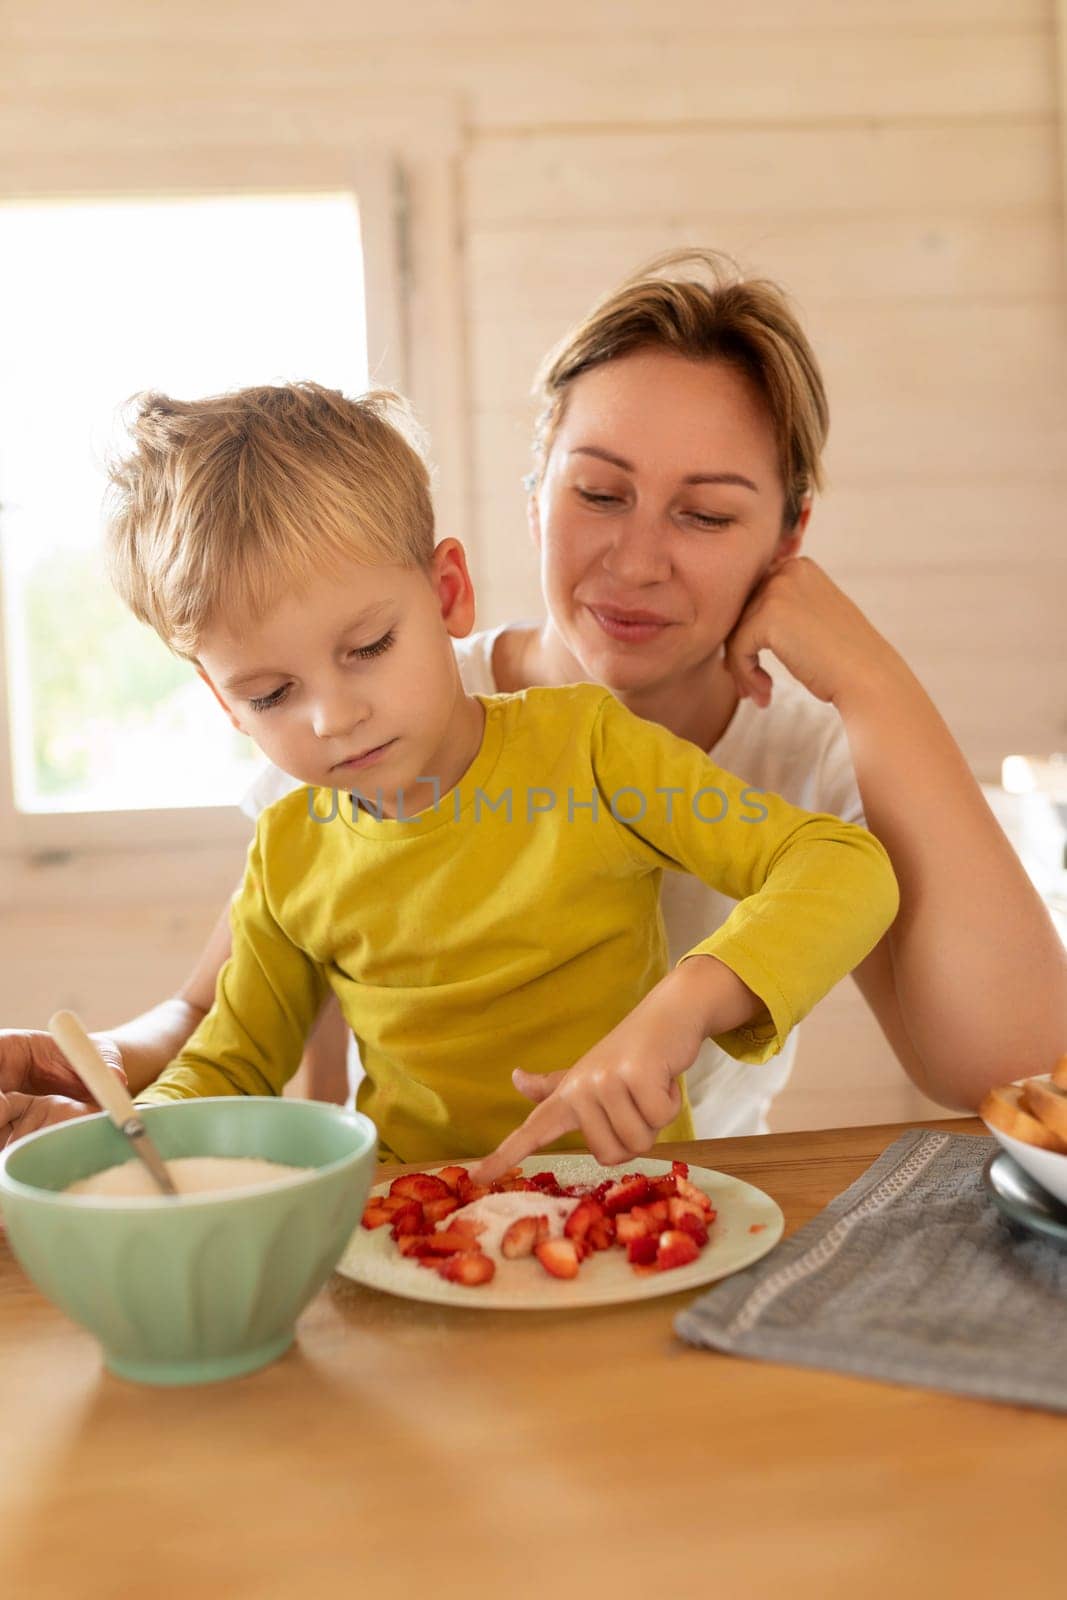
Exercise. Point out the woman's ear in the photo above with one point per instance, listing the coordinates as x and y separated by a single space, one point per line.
455 591
791 539
202 674
533 519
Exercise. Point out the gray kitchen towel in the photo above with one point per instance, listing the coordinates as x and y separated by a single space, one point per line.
910 1276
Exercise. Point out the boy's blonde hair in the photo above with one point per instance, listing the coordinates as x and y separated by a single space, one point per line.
747 322
224 504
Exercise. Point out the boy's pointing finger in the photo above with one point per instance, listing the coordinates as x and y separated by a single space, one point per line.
546 1122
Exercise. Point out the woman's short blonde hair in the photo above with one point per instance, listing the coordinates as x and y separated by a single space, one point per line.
225 504
698 304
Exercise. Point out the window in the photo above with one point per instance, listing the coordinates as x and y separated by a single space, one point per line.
102 299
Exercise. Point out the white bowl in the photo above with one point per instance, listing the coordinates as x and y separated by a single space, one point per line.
1046 1166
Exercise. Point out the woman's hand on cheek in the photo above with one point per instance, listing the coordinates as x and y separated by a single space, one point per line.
817 633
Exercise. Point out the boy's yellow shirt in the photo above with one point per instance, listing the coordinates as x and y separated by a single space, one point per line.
517 921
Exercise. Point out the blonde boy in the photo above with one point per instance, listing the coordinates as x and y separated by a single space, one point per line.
475 877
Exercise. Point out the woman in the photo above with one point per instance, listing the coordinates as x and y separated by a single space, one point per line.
677 454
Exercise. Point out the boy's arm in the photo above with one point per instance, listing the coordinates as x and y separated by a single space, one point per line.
266 1000
815 894
625 1090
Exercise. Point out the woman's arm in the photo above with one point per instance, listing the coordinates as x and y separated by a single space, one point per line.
32 1065
970 983
149 1041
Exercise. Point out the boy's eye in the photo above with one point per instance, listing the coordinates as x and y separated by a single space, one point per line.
379 647
265 701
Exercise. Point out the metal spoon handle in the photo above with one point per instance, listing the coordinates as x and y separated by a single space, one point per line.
108 1091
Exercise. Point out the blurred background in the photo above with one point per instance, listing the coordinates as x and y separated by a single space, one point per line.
427 194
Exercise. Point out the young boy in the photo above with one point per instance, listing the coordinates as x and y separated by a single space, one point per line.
476 877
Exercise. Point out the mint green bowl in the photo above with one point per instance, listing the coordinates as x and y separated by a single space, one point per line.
201 1288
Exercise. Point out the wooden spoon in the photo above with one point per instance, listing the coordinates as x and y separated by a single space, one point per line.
109 1091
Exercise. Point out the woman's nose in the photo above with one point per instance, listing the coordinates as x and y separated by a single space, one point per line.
638 551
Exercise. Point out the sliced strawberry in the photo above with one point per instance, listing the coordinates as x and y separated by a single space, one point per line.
680 1169
676 1209
470 1268
376 1216
419 1186
694 1227
654 1218
582 1218
547 1182
467 1227
676 1249
446 1242
414 1244
626 1193
408 1220
499 1185
631 1225
518 1185
665 1188
453 1177
523 1237
689 1191
393 1202
602 1234
642 1252
559 1257
437 1210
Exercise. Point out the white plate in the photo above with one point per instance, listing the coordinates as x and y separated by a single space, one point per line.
372 1258
1047 1166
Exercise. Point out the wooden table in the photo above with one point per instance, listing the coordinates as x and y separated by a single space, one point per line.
403 1449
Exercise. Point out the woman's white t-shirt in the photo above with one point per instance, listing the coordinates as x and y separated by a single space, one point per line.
796 748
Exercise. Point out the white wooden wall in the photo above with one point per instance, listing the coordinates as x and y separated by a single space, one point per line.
895 163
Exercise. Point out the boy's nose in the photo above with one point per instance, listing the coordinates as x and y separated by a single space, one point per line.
337 714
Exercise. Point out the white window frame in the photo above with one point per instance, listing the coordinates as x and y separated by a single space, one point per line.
403 170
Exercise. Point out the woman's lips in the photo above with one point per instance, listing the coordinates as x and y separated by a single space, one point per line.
634 626
354 763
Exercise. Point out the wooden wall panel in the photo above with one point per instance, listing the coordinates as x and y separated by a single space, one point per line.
999 252
576 179
29 23
665 76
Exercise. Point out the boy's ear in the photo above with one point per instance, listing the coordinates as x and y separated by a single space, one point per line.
451 579
201 673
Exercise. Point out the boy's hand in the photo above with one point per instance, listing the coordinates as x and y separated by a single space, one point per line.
38 1085
623 1091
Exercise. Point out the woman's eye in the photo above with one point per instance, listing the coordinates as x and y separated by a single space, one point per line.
706 519
378 648
592 498
266 701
